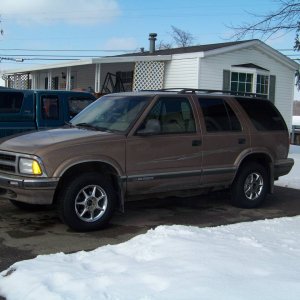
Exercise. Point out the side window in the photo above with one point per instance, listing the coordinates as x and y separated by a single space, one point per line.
170 115
77 104
263 114
50 107
11 102
218 115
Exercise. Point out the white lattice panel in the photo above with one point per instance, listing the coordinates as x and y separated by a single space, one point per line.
148 75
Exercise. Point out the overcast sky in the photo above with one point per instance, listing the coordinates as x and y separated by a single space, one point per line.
117 25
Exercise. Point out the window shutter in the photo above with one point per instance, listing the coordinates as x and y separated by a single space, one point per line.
226 80
272 88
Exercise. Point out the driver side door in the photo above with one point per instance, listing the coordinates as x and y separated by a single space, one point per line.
170 157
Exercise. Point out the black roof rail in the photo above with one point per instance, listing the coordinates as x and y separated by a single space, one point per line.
207 91
194 91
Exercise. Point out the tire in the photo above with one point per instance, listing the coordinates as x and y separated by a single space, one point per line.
27 206
87 202
250 186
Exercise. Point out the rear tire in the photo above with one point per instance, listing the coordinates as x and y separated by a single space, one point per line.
250 186
87 202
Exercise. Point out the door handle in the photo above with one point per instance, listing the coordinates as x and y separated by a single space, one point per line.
242 141
196 143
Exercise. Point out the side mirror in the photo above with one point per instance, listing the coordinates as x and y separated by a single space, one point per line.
152 127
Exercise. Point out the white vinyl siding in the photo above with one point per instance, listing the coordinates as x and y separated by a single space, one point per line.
211 75
182 73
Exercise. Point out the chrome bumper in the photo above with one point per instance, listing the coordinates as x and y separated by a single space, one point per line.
28 190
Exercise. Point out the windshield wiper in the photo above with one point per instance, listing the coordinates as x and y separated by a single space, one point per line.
94 127
69 124
86 125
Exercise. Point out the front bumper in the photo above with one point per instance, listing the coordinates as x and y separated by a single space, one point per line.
283 167
28 190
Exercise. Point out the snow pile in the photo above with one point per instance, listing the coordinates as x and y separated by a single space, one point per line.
296 120
257 260
292 180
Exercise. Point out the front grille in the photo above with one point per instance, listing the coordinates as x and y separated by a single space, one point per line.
7 157
7 168
8 162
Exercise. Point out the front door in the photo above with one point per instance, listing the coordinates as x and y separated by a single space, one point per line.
165 153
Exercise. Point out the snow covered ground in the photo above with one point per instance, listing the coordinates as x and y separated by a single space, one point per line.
292 180
255 260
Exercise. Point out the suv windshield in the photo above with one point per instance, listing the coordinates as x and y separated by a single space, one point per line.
111 113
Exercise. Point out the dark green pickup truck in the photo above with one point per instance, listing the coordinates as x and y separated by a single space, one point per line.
25 110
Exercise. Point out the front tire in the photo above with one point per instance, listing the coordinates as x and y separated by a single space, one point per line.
87 202
250 186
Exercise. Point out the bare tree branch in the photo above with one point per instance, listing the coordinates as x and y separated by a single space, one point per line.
1 29
182 38
285 18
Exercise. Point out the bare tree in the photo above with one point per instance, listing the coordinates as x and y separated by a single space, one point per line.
1 29
181 38
162 45
285 19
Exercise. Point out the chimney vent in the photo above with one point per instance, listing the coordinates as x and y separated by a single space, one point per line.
152 39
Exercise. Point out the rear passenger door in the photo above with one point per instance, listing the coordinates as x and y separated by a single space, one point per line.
163 152
225 137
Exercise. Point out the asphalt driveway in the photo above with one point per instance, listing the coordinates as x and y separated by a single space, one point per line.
24 235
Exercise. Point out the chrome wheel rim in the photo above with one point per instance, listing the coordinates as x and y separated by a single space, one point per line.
253 186
91 203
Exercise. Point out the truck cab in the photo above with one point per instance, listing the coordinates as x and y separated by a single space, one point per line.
26 110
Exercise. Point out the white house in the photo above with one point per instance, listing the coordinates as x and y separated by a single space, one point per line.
243 66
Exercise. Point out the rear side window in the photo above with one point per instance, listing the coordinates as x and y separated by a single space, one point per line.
218 115
263 114
50 107
77 104
11 102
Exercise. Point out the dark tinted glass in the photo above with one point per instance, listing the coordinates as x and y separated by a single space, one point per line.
49 107
218 115
10 102
263 114
77 104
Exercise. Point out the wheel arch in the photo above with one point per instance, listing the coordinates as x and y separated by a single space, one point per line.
263 159
93 166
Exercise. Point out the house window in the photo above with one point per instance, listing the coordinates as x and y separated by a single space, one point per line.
241 82
262 84
250 83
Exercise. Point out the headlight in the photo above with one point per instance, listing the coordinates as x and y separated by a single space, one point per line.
29 166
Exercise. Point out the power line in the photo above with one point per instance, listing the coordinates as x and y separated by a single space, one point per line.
47 55
66 50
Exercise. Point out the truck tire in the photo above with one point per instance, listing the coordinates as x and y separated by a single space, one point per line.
87 202
250 186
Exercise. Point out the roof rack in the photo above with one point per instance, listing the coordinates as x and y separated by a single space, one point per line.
208 91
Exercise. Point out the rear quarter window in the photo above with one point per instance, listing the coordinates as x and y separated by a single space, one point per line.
263 114
11 102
